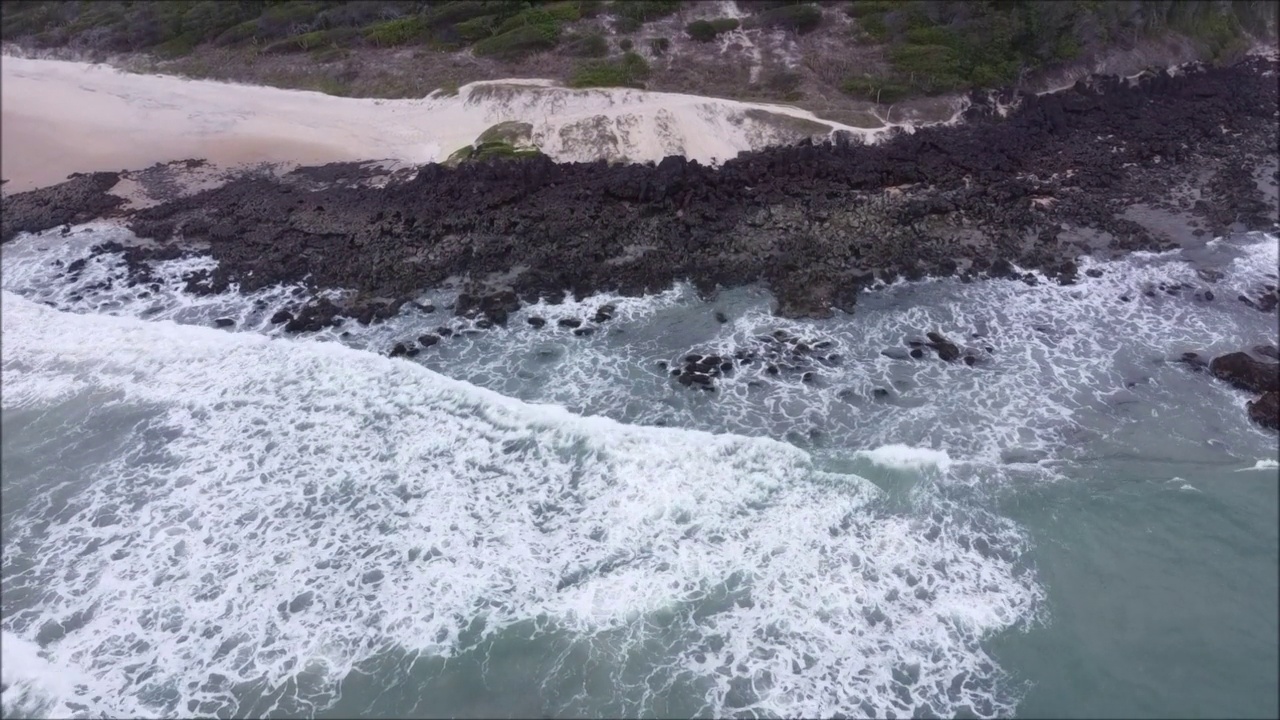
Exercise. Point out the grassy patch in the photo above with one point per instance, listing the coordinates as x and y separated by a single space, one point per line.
629 71
517 43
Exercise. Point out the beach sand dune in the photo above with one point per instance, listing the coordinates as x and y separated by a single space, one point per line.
61 117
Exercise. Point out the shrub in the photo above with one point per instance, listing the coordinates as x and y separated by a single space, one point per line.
588 46
630 71
700 31
517 43
796 18
659 46
863 8
564 11
396 32
477 28
535 17
724 25
452 13
707 30
877 89
625 44
644 11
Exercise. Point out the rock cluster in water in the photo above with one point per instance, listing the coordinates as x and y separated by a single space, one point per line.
1256 370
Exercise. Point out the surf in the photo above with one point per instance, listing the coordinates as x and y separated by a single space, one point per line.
281 512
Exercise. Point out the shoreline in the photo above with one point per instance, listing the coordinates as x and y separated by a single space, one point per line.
1108 167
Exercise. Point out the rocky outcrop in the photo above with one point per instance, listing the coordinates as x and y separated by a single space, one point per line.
1247 372
78 200
1266 410
1255 371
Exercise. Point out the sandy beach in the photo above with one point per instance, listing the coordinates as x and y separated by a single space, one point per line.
61 117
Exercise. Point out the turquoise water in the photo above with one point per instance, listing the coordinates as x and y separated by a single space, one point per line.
525 522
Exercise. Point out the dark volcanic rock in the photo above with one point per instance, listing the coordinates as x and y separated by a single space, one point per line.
569 322
1266 410
428 340
946 349
403 350
80 199
537 322
1246 372
605 313
281 316
224 322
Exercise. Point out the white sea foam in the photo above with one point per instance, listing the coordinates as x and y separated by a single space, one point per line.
905 457
1261 465
287 510
33 687
1071 366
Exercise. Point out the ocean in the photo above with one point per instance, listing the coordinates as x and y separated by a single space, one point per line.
526 522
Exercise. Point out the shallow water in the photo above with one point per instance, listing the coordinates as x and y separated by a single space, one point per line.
524 521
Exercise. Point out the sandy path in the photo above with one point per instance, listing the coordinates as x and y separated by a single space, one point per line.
61 117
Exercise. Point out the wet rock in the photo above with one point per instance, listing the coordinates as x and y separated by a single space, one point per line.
1269 351
916 353
224 322
444 331
281 316
584 331
605 313
721 317
1265 411
537 321
402 350
1246 372
427 341
484 323
896 353
569 322
1195 361
946 349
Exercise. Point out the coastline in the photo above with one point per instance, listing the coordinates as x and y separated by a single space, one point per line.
1013 185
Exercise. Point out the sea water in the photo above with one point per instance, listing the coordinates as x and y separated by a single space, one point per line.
522 521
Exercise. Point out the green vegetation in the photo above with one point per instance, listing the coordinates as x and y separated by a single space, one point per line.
707 30
918 47
946 46
631 14
630 71
799 19
504 141
504 29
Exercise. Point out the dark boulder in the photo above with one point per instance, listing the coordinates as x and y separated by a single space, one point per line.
1195 361
402 350
1266 410
224 322
281 316
569 323
946 349
537 322
605 313
428 340
1247 372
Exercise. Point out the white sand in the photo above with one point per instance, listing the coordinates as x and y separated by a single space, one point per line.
61 117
